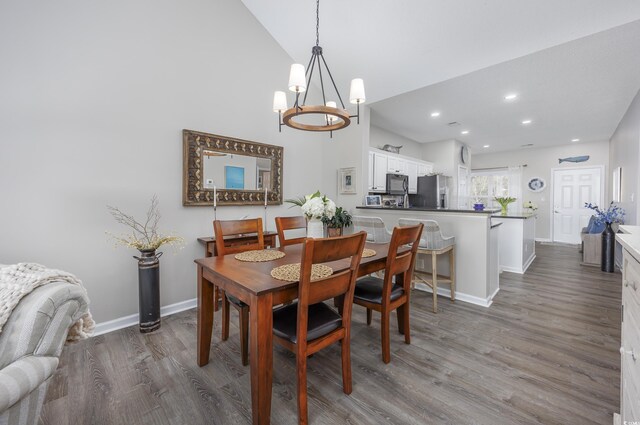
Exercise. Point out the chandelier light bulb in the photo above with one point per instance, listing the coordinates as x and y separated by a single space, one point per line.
356 95
297 82
279 101
331 118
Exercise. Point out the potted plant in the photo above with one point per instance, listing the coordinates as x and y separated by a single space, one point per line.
530 205
613 214
145 238
337 223
504 202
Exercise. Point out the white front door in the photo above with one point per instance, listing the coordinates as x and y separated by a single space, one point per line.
572 188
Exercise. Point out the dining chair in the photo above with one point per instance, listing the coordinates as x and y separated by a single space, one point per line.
290 223
387 294
432 243
231 228
374 226
309 325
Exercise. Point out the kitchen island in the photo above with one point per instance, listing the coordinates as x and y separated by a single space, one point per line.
517 241
477 265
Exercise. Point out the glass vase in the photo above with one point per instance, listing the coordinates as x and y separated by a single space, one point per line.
315 228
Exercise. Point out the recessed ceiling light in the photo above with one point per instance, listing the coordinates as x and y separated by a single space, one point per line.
435 114
525 122
528 145
485 146
464 132
575 140
510 96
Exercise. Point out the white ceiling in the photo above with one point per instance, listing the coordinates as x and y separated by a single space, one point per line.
401 46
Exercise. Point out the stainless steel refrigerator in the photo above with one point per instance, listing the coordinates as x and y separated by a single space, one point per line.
433 192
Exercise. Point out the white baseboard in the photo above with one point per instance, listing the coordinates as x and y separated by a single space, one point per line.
471 299
543 240
518 270
126 321
528 263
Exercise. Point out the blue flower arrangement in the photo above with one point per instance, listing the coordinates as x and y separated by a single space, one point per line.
613 214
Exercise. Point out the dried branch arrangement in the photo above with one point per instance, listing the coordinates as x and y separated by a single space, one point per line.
144 235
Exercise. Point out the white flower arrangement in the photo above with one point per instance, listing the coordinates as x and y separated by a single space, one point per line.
316 206
531 205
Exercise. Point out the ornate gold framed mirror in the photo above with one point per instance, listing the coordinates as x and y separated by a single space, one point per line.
239 171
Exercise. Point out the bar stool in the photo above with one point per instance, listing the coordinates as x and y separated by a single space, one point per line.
433 243
374 226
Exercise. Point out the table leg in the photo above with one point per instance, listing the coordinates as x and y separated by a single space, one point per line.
261 356
205 317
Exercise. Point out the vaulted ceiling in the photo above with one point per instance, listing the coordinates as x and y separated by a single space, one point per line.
573 63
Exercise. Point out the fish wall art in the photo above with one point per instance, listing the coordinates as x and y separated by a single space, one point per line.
575 159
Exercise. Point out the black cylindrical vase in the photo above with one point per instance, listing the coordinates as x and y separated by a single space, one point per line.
608 263
149 290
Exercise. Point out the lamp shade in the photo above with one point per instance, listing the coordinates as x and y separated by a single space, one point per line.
279 101
356 95
331 118
297 81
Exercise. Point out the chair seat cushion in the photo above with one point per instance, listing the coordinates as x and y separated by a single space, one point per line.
370 289
322 320
235 301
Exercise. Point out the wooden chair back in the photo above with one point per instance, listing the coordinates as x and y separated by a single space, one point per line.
290 223
401 260
338 285
224 228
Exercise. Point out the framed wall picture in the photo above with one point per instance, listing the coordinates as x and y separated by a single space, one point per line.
536 184
617 185
347 181
373 200
233 177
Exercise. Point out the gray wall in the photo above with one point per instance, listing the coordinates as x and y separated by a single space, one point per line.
624 151
378 137
94 98
540 162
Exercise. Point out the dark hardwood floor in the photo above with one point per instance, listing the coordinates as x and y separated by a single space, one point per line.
545 352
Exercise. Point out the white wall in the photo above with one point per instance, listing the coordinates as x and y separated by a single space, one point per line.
540 162
624 151
446 157
94 99
379 137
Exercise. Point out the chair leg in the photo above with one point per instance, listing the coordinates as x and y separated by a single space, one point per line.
400 316
244 335
434 279
346 365
452 272
384 330
216 298
303 414
369 314
405 323
225 316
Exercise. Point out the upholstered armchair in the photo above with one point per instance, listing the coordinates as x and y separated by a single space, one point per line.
30 344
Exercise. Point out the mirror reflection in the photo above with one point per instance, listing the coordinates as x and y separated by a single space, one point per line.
232 171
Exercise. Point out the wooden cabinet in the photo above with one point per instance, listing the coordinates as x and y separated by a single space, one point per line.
630 347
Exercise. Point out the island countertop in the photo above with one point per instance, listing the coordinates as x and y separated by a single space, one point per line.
518 215
431 209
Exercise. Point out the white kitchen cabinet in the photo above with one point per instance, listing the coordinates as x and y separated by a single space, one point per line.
380 164
393 165
412 172
424 169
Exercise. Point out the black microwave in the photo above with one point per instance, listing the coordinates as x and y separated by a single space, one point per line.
397 184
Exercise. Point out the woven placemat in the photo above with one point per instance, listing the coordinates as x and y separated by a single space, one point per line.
259 255
291 272
368 253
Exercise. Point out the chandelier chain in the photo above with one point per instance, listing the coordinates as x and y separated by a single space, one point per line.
317 22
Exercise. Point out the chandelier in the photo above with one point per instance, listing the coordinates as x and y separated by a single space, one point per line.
327 116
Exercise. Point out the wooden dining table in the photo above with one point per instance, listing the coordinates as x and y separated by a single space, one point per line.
252 283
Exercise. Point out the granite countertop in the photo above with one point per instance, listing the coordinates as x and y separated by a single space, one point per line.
520 215
431 209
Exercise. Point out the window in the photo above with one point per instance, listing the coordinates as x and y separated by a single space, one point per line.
487 185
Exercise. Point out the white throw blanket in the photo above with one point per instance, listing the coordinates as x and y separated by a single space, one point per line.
18 280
